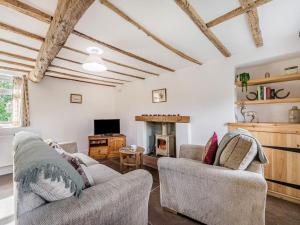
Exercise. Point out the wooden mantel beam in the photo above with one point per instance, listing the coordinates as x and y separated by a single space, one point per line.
199 22
119 12
236 12
30 11
66 15
253 22
27 9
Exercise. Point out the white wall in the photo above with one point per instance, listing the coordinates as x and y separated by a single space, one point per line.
206 93
55 117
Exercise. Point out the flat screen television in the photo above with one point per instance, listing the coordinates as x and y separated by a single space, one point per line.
111 126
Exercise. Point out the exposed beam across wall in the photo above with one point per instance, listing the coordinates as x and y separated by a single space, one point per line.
199 22
28 34
111 61
32 14
236 12
13 69
18 44
119 12
80 77
89 74
77 80
17 56
16 63
33 60
20 31
111 71
79 34
253 22
66 16
27 9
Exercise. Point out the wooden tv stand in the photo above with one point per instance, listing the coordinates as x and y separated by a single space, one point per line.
106 146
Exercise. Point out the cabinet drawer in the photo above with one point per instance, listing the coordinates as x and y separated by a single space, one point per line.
278 139
98 150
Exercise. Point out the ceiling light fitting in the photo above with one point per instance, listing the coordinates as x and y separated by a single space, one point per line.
94 62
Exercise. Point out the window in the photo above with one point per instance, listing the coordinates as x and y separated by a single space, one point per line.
6 99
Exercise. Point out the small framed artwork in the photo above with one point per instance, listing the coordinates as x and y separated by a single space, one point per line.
76 98
159 95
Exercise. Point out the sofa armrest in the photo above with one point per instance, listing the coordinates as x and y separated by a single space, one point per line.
191 152
122 200
213 174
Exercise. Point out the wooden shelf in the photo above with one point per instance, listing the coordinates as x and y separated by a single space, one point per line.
269 101
163 118
274 79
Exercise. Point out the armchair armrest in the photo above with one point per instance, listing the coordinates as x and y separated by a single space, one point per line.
122 200
191 152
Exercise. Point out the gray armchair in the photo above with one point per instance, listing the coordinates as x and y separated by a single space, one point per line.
211 194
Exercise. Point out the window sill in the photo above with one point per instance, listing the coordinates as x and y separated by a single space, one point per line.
10 130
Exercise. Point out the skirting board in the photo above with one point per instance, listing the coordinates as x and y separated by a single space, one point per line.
284 197
6 170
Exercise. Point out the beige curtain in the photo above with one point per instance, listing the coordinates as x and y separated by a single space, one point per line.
20 102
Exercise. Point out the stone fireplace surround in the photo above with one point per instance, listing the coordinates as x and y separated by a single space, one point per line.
149 125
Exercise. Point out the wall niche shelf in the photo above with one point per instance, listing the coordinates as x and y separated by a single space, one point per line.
268 101
272 79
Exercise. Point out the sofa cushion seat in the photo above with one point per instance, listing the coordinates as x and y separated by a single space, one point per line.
88 161
101 173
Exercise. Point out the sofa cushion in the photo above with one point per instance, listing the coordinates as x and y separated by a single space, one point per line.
239 153
101 173
210 150
88 161
51 190
77 164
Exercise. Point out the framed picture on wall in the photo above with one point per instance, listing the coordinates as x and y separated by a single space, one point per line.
76 98
159 95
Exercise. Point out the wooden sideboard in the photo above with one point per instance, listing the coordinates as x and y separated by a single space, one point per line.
102 146
281 142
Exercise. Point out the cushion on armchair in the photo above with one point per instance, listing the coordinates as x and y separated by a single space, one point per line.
239 153
210 150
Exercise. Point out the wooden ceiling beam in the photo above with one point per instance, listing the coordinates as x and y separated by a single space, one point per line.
253 22
112 71
13 69
17 56
236 12
66 16
20 31
199 22
16 63
89 74
17 44
111 61
28 11
81 77
77 80
79 34
122 14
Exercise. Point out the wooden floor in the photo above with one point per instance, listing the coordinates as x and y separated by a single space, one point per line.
278 211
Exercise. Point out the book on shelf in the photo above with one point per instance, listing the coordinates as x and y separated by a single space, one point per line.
265 93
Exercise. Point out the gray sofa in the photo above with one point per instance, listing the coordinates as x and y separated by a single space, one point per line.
211 194
115 199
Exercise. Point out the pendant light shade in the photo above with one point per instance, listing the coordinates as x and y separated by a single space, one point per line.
94 63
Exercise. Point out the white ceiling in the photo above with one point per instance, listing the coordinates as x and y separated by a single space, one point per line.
279 21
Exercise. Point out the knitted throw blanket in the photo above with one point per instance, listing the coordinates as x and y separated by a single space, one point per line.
261 157
33 155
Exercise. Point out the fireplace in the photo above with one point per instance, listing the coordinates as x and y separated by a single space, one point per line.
165 145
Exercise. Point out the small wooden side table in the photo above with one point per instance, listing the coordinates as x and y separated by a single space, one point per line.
131 158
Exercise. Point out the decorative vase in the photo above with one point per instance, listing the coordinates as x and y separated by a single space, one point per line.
294 115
